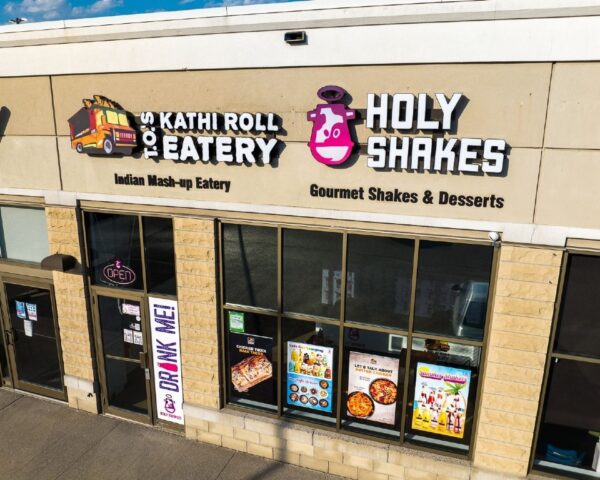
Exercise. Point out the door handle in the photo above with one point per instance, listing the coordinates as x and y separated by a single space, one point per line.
143 360
9 337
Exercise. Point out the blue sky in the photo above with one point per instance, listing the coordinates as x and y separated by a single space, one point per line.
42 10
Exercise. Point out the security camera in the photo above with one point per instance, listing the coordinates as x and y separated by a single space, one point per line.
494 236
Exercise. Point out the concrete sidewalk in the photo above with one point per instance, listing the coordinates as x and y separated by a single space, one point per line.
41 440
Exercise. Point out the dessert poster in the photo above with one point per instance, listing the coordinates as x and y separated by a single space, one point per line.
251 360
372 387
310 376
440 403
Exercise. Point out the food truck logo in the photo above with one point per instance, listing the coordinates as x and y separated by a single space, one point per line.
102 127
330 140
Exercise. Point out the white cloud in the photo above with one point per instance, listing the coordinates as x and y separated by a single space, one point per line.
98 6
47 9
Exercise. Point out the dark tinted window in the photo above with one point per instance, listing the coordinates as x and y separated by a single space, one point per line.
250 261
452 289
579 325
160 255
379 277
571 418
571 383
114 248
312 272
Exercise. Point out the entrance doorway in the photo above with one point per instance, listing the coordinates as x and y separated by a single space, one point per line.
131 261
31 357
122 333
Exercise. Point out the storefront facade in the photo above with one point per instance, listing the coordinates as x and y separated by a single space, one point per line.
377 264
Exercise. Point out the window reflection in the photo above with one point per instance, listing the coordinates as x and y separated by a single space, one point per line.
452 289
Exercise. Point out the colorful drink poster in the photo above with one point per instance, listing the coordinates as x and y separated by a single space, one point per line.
440 403
251 360
372 387
31 311
310 376
21 309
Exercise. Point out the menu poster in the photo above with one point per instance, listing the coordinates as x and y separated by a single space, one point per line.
310 376
251 360
372 387
440 403
20 309
31 311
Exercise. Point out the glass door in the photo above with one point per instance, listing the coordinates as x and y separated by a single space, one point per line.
123 356
31 337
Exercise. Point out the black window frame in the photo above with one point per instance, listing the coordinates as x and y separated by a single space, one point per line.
409 333
553 355
143 255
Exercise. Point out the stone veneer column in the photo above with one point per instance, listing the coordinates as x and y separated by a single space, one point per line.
72 311
196 294
521 322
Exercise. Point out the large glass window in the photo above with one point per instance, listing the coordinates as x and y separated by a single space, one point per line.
323 334
452 289
160 255
115 252
23 234
312 272
250 264
379 280
569 431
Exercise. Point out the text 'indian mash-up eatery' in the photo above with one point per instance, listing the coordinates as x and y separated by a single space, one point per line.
355 237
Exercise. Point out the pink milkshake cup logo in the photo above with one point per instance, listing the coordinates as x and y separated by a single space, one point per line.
330 141
169 404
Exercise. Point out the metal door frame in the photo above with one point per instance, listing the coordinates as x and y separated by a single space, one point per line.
137 296
6 325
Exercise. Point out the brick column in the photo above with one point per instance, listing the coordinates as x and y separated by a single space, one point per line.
520 330
72 311
196 294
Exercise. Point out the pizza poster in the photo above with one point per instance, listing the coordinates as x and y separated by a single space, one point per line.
251 360
310 376
372 387
440 403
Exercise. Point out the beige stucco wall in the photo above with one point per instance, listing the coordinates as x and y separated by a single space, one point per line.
546 112
504 101
27 102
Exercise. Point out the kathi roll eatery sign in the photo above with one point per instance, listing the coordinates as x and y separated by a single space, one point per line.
418 139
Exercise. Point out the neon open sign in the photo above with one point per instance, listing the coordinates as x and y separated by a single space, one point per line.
118 273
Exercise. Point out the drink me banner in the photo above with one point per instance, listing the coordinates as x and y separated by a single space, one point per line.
164 327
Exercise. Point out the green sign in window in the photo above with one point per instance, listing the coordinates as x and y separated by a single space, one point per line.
236 322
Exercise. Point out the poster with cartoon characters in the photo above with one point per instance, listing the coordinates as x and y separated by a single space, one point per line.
440 402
